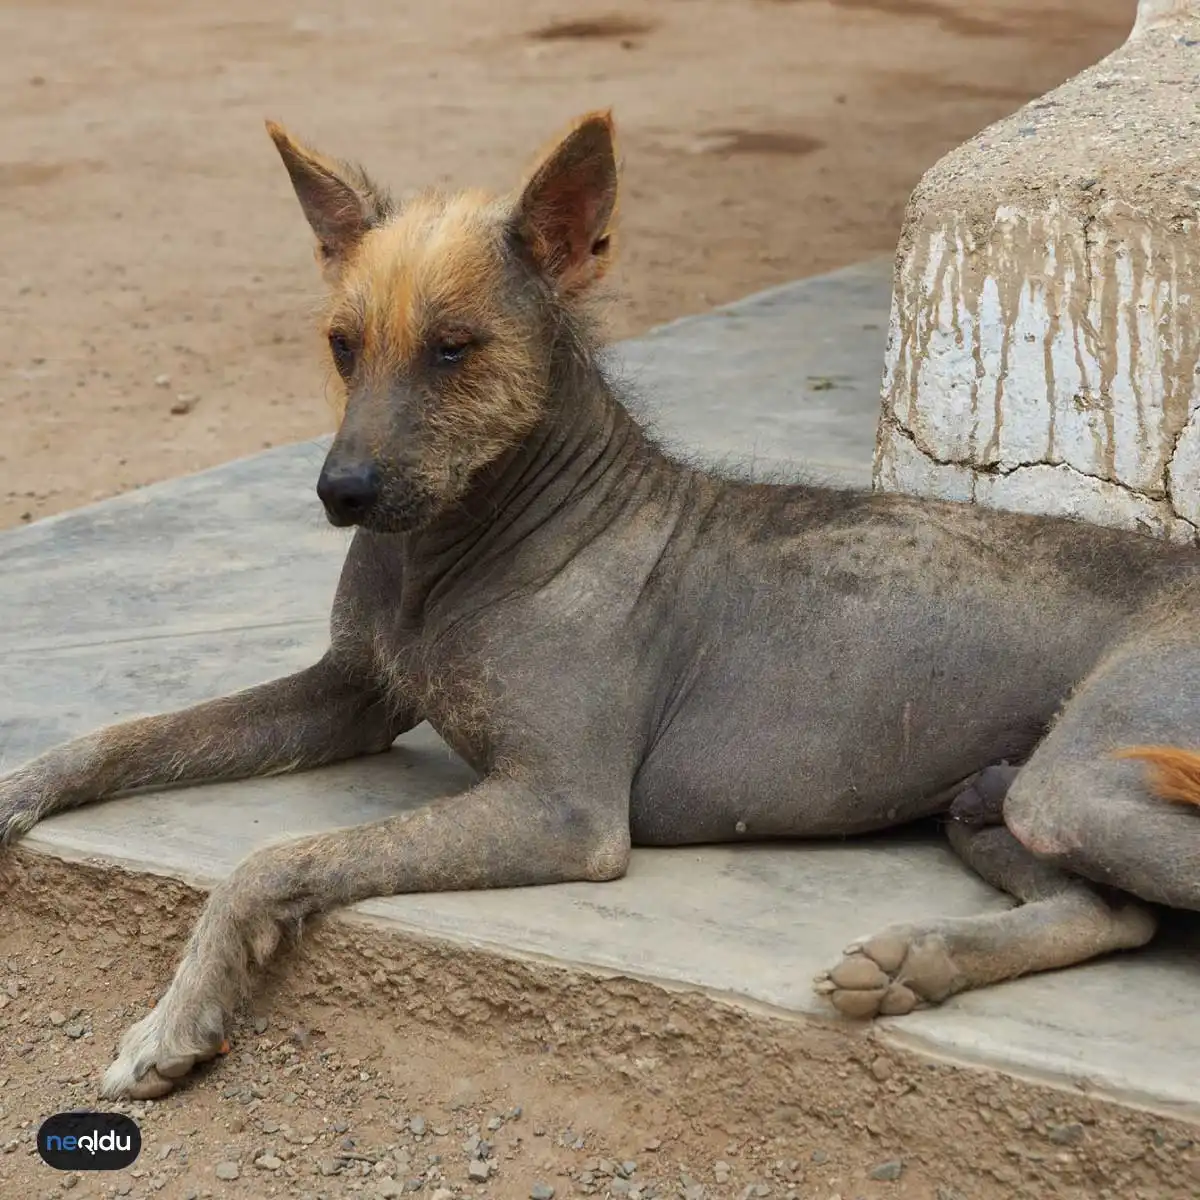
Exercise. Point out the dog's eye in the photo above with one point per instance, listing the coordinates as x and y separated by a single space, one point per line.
448 353
342 349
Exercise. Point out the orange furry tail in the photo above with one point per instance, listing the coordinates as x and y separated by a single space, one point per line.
1174 774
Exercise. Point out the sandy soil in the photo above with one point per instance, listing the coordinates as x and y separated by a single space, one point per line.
155 260
158 291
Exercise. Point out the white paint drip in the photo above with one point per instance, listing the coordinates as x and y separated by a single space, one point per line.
1053 367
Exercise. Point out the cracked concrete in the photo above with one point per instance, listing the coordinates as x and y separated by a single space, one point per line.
1048 487
1043 349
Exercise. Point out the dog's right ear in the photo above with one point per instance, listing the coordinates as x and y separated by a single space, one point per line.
340 201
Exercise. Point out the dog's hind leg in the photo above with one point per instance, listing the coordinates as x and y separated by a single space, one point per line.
1087 806
502 833
315 716
1062 920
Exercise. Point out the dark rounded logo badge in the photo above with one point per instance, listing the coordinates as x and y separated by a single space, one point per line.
89 1141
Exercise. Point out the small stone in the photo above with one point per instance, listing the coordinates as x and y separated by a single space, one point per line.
494 1123
442 1194
268 1162
652 1144
881 1070
227 1171
75 1029
388 1189
329 1166
56 1019
416 1126
820 1157
627 1168
162 381
479 1170
260 1024
183 404
888 1172
339 1127
69 1181
541 1191
1065 1135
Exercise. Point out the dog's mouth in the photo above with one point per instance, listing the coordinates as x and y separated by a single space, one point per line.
402 510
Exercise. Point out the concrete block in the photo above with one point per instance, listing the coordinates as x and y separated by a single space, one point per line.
1044 340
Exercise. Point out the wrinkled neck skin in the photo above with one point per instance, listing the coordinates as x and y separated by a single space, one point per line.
529 513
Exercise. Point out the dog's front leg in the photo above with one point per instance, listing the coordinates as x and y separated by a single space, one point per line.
316 716
505 832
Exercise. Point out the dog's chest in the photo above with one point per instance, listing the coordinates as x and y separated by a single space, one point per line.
444 684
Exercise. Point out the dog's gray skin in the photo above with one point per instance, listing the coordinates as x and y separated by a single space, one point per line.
630 650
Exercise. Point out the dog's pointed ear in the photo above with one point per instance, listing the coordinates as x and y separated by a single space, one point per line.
340 201
566 209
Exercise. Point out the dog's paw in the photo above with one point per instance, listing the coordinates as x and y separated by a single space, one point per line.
150 1061
891 974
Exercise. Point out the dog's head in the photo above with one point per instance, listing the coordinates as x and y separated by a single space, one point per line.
443 317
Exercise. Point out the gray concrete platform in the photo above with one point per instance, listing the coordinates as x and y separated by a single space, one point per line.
213 582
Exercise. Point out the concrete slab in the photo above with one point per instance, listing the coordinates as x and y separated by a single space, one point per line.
213 582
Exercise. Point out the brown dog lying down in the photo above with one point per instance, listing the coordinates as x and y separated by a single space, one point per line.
630 650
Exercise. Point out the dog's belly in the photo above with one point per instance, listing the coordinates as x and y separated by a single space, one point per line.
789 750
716 789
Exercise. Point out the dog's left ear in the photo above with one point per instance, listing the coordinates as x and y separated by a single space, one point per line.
340 201
564 213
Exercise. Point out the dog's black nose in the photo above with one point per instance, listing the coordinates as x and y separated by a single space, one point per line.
348 493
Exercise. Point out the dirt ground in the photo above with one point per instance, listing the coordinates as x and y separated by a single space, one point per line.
376 1065
158 291
158 284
